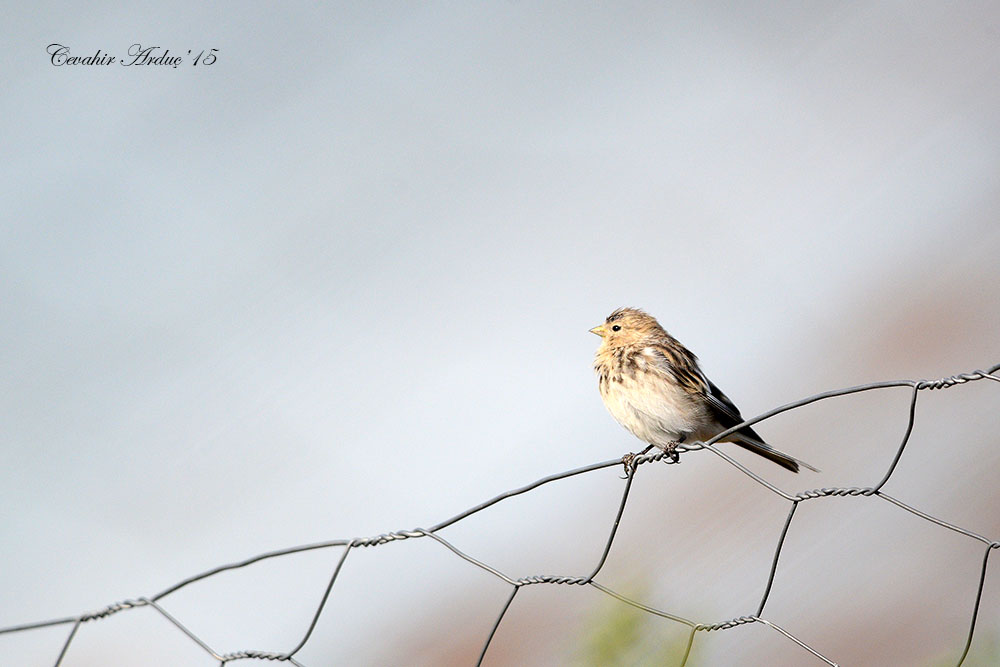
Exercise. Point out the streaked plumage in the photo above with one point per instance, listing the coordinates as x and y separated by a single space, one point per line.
652 385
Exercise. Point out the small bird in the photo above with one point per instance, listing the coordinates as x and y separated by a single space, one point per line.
652 385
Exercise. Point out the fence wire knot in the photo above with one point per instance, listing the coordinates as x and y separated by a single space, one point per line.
845 491
113 609
385 538
252 655
725 625
552 579
961 378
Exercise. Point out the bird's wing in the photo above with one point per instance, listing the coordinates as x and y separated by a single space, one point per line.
723 409
679 363
683 366
725 412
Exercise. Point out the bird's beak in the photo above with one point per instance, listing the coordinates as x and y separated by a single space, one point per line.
599 330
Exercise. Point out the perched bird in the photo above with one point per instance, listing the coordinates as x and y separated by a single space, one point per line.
652 385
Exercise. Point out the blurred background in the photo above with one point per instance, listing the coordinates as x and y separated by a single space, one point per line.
339 283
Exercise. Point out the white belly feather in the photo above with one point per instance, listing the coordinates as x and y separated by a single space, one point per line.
654 409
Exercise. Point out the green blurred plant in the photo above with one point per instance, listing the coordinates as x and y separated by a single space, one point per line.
985 652
620 634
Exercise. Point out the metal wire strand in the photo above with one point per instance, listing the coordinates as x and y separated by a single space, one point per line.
632 463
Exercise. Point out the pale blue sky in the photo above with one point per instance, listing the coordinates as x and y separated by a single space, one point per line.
340 282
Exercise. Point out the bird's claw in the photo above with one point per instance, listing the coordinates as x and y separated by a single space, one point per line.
628 461
671 451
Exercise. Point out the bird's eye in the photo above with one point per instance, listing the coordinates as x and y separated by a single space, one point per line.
616 328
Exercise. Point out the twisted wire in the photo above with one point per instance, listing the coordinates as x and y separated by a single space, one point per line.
631 463
113 609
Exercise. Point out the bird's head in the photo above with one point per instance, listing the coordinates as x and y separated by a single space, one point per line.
627 326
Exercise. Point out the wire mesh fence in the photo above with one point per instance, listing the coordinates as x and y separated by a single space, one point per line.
631 464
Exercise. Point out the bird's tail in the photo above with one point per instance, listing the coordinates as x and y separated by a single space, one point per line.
760 447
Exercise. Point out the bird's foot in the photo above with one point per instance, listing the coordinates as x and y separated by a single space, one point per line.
629 460
671 451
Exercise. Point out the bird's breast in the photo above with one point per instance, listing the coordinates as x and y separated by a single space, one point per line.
648 403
